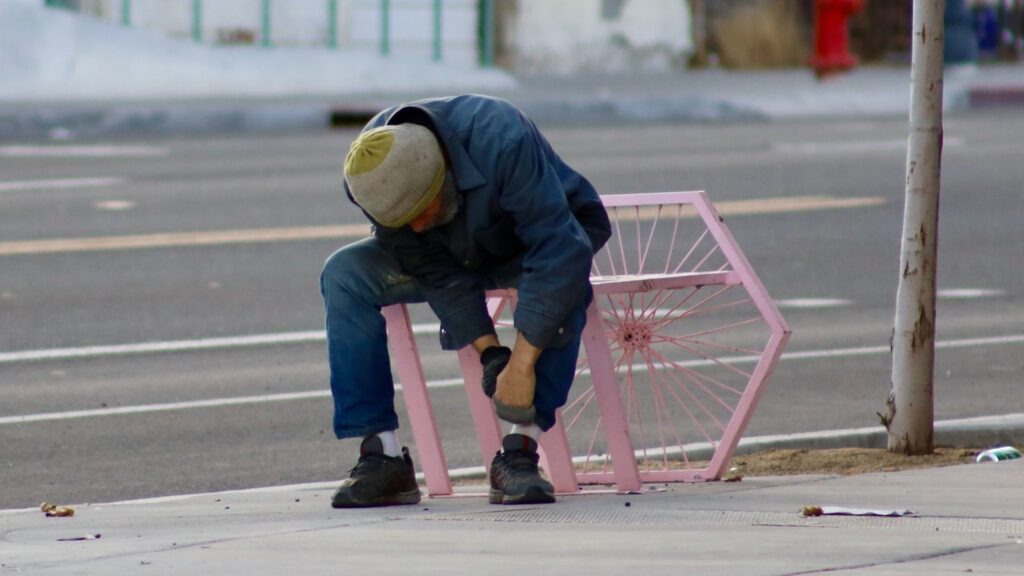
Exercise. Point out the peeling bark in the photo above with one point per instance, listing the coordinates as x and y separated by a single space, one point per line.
924 331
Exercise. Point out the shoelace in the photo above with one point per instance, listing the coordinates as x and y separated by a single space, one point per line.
520 460
367 463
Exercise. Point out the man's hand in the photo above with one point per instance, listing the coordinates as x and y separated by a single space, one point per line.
513 396
516 385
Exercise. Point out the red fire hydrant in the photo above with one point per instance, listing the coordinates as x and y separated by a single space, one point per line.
831 38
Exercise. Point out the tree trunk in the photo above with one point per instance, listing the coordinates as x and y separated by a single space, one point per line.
910 414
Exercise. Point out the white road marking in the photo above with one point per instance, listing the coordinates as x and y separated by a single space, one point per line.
812 303
968 293
188 345
140 409
166 346
59 184
245 236
114 205
188 405
851 146
265 398
83 152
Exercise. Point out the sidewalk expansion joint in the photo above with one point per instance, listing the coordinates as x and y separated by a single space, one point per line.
915 558
636 516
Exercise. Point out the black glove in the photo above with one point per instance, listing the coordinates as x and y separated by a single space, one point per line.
494 359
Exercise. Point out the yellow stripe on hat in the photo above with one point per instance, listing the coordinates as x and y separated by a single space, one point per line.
369 150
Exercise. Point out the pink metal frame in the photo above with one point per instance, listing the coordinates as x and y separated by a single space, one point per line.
627 322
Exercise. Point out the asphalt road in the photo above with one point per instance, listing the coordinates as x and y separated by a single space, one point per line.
246 308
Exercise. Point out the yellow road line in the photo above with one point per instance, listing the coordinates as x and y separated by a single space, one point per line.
761 206
179 239
221 237
793 204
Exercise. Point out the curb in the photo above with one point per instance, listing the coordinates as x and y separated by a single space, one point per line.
62 121
96 120
998 96
981 432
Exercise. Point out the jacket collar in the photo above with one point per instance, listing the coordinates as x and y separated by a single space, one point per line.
467 176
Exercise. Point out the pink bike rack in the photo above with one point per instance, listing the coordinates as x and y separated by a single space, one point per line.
680 340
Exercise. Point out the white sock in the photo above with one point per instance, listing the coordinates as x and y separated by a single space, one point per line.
390 442
531 430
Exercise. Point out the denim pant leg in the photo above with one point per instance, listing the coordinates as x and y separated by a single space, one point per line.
356 281
555 371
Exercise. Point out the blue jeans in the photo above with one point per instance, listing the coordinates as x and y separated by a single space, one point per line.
356 282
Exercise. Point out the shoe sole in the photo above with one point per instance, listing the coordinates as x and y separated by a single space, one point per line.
400 499
533 495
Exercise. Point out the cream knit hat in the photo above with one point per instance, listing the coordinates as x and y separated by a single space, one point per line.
395 172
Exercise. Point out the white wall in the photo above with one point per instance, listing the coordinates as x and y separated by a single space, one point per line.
548 36
567 36
51 55
305 23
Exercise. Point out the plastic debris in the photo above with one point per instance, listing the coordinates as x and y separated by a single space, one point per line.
999 454
80 538
54 511
840 511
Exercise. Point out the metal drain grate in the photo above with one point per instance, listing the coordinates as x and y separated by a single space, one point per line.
698 518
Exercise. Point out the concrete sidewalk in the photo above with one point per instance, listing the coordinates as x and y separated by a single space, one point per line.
967 519
692 96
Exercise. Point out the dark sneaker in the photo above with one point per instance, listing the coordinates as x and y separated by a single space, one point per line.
514 475
378 479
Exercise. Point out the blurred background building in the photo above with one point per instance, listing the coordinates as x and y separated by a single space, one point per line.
572 36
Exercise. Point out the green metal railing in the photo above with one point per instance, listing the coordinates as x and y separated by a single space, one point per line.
437 30
385 27
265 23
485 25
485 33
197 20
332 24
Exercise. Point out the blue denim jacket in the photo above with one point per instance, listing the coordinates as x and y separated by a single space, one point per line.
524 215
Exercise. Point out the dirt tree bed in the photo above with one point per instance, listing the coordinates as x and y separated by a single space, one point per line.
843 461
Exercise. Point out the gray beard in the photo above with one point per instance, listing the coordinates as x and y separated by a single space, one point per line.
449 203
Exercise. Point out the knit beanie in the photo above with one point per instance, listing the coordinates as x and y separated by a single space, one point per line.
395 172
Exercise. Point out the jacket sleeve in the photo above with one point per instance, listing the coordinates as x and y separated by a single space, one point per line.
453 293
557 262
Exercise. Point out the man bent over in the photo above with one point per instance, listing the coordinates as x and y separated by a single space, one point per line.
464 194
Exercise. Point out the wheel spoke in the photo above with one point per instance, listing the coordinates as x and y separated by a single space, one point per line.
686 408
699 311
661 407
714 360
698 379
